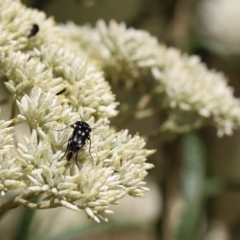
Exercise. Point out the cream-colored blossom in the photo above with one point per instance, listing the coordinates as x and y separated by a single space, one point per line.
188 86
183 89
16 24
10 171
53 85
86 86
121 52
41 108
25 72
116 171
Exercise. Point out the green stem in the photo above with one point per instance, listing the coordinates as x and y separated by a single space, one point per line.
192 184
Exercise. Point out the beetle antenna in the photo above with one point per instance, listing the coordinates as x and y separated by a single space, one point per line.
90 149
60 129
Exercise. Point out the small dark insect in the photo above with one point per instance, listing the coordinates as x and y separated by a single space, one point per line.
34 30
81 133
61 92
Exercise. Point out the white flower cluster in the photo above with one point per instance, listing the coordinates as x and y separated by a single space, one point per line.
121 52
52 87
202 94
185 90
10 171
